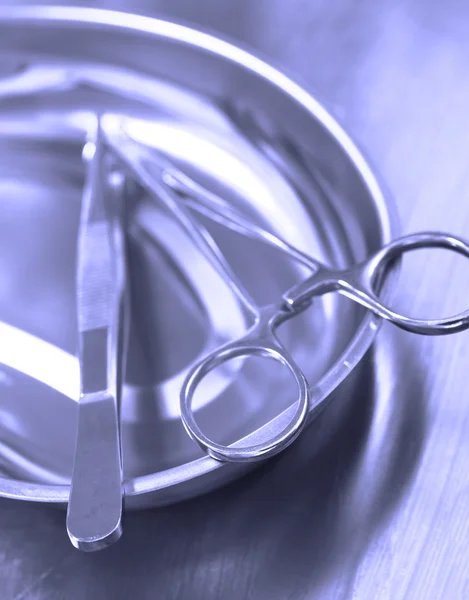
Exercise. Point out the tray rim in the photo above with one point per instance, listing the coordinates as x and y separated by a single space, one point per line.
385 207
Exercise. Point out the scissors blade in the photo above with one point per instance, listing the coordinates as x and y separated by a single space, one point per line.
150 173
195 196
94 518
215 208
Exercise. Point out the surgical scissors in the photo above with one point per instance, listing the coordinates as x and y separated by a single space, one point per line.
94 518
360 283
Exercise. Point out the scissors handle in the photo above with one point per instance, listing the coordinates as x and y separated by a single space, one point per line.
362 283
252 344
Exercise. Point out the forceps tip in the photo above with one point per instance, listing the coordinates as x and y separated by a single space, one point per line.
97 542
94 138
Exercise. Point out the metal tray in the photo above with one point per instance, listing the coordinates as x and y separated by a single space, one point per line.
245 130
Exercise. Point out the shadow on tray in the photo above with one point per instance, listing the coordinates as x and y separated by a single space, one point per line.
296 527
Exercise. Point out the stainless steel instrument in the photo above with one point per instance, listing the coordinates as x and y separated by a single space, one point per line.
360 283
94 517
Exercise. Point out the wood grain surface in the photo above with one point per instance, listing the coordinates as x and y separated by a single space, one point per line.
373 502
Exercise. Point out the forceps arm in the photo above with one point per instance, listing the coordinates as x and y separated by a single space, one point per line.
94 518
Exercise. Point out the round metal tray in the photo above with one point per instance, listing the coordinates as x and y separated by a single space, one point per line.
244 130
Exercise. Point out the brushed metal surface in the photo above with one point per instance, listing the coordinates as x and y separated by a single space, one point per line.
373 501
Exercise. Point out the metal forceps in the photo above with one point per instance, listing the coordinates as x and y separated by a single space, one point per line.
360 283
94 517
